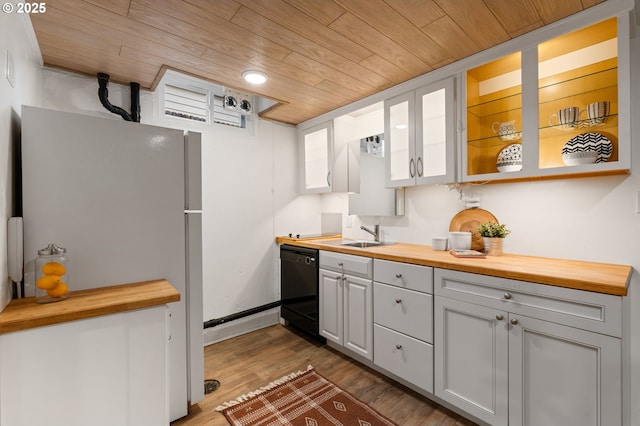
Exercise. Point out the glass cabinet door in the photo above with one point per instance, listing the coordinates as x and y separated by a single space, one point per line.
317 157
435 133
494 117
420 136
578 97
399 140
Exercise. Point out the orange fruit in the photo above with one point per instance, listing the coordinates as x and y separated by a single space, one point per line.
48 282
53 268
58 291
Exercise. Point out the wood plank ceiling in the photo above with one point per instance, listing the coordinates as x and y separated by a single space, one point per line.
319 54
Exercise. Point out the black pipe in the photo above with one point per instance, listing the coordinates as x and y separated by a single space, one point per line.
103 94
238 315
135 102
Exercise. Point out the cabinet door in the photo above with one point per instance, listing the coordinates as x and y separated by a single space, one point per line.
316 158
399 140
471 359
561 375
358 315
331 305
435 133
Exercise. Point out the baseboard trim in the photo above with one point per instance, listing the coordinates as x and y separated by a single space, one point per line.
241 326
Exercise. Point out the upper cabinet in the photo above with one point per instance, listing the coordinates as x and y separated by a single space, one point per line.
551 110
419 136
316 158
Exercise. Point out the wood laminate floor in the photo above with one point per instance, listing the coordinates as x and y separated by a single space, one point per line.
247 362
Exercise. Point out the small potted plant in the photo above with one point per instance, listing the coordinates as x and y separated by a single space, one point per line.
492 234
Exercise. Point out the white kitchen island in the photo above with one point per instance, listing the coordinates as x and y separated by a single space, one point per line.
97 358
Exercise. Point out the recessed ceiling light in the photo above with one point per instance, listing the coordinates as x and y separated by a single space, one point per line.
254 77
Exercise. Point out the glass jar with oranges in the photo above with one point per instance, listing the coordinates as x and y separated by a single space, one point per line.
51 274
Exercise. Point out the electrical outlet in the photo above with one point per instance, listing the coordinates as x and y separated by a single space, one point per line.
349 221
10 69
638 202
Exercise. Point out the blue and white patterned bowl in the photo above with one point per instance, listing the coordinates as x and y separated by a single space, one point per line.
510 158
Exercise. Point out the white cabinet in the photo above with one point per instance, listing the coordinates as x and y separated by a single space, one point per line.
316 158
471 360
420 136
562 375
107 370
346 301
517 353
403 321
329 156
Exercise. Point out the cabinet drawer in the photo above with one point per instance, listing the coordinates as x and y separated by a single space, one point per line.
601 313
405 275
406 357
347 263
407 311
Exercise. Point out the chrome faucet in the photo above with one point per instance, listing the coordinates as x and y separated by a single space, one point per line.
375 232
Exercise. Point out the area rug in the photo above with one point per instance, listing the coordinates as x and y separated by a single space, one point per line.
304 398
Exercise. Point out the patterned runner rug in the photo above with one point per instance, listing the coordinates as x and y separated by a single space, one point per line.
304 398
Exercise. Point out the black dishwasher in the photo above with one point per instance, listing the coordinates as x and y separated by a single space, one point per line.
299 288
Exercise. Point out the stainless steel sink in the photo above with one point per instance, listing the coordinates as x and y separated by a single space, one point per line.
365 244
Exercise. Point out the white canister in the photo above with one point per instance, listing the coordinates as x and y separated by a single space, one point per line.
439 243
460 240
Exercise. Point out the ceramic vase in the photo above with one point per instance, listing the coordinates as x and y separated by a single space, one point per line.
493 246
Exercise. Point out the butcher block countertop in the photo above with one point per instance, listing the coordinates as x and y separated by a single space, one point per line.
24 314
590 276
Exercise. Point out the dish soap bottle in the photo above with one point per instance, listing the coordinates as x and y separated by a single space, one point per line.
51 274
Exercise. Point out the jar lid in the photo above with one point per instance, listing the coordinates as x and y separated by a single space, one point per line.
51 249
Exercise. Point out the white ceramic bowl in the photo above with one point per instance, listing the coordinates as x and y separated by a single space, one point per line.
576 158
439 243
509 168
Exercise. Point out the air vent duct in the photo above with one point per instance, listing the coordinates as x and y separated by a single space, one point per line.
184 103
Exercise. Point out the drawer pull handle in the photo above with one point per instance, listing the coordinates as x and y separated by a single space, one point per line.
507 296
398 300
514 321
398 276
398 347
499 317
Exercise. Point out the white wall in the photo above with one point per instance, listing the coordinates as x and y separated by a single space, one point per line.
17 40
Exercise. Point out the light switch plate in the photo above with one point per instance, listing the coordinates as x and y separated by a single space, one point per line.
10 69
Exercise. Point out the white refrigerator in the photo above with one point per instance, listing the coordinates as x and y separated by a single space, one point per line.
124 199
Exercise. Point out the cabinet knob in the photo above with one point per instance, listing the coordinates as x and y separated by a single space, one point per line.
398 347
398 300
507 296
513 321
340 264
398 276
499 317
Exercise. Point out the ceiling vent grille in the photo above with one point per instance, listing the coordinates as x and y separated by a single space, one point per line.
192 99
223 115
183 103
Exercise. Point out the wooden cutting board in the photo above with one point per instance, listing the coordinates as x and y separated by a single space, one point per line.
468 221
